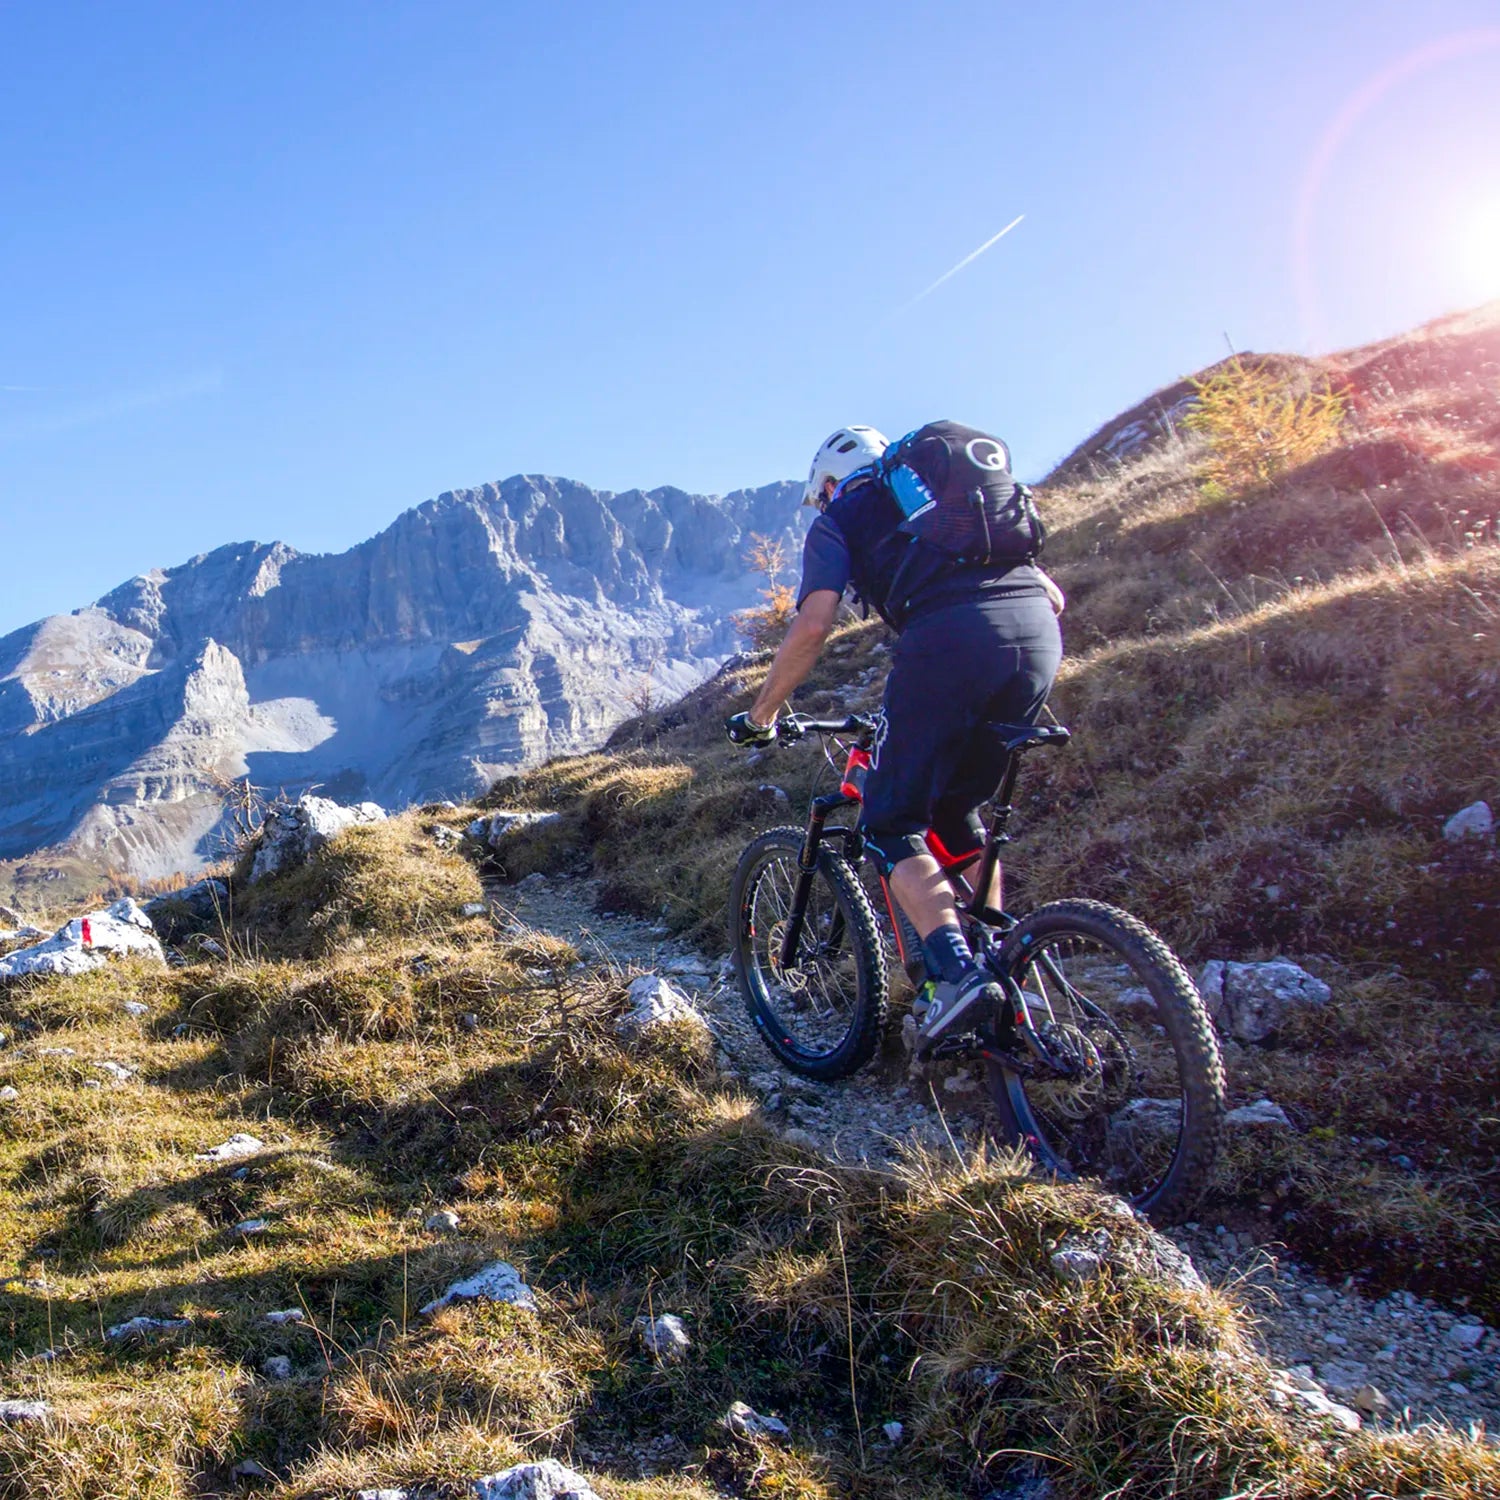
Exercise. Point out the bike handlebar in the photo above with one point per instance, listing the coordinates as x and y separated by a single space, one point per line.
795 726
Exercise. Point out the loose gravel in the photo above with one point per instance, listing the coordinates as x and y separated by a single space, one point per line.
1398 1360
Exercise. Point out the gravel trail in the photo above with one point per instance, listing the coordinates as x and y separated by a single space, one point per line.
1399 1358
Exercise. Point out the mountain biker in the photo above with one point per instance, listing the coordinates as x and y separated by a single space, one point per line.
978 645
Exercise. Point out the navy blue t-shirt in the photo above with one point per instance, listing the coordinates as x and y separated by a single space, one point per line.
827 563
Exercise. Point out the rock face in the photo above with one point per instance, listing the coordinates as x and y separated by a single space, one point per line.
480 633
86 943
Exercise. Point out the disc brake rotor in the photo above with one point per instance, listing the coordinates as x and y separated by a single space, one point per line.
1079 1097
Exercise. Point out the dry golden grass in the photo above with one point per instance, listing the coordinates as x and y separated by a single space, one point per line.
1277 700
621 1181
1317 673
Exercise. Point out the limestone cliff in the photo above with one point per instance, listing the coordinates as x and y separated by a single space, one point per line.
478 634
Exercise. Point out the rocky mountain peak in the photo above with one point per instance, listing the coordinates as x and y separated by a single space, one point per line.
478 633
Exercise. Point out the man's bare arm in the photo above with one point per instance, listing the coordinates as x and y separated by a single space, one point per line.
797 655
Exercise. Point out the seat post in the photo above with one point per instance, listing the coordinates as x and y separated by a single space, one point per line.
999 823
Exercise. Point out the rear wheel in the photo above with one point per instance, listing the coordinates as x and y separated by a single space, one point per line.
822 1013
1144 1108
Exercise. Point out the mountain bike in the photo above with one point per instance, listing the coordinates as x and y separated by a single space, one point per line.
1103 1061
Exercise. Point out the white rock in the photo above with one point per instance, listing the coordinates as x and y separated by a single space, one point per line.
493 828
654 1002
1076 1263
289 1315
118 1071
233 1149
381 1495
8 1093
277 1367
893 1431
292 835
17 1413
1475 821
1467 1335
444 1221
1142 1124
248 1468
136 1008
1251 1001
139 1328
496 1282
547 1480
473 909
1261 1114
87 943
55 1052
744 1421
664 1337
251 1226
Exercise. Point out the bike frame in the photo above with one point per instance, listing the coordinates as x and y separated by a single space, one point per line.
851 794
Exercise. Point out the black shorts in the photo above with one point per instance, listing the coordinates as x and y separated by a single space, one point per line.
954 672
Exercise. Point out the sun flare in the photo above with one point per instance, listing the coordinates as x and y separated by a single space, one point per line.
1478 250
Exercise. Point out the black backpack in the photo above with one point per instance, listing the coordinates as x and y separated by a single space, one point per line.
954 486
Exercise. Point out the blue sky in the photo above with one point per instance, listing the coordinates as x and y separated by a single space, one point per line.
284 270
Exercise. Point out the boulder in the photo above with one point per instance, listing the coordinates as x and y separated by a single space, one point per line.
1252 1001
87 943
20 1413
292 835
1475 821
654 1002
141 1328
1141 1125
547 1480
1262 1115
496 1282
233 1149
444 1221
665 1338
1073 1261
745 1422
493 827
173 914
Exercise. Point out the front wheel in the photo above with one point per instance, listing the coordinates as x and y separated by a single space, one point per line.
1143 1108
822 1012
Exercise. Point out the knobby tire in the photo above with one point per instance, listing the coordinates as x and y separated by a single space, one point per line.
839 978
1178 1010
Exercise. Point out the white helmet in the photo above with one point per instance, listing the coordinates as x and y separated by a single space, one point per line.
850 448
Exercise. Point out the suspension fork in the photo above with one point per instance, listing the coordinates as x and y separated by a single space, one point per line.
807 869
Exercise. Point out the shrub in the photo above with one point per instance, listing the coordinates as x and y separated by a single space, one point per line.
764 625
1257 426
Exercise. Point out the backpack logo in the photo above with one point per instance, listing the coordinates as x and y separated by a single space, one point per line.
987 453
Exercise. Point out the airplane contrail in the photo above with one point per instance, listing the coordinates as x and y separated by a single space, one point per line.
969 259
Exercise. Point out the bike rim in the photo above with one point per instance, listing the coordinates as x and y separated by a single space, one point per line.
1122 1118
811 1003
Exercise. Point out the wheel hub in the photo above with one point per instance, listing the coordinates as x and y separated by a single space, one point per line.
1082 1095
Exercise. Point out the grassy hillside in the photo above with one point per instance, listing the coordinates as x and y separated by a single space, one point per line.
1278 697
396 1058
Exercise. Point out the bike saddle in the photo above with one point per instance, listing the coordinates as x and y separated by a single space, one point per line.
1014 737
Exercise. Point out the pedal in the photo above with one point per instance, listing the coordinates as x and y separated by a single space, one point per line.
966 1046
